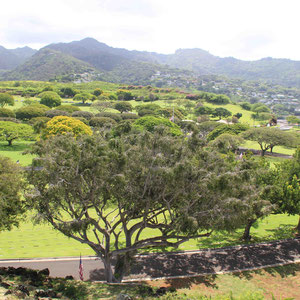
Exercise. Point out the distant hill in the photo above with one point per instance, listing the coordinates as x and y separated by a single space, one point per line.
279 71
118 64
90 56
47 64
11 58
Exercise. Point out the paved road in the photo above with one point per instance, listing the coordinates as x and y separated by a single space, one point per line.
189 263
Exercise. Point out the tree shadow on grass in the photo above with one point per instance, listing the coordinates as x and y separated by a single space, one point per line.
283 271
223 239
282 232
17 146
182 283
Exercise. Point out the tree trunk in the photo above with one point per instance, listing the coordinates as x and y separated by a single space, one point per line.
122 266
108 269
10 142
263 152
246 235
271 149
298 227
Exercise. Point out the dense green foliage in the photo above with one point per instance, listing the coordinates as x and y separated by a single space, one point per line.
151 123
268 138
232 129
6 99
11 186
154 181
50 99
31 111
62 125
10 131
6 113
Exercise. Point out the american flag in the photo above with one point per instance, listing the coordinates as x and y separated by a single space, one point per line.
80 269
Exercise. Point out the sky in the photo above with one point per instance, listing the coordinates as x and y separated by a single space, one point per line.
245 29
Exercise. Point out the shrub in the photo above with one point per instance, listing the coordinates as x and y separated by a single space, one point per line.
231 129
123 106
55 112
65 125
39 123
68 108
6 99
129 116
84 97
114 116
82 114
245 105
150 123
50 99
31 111
6 113
218 99
101 121
83 120
97 92
146 112
10 120
124 95
68 92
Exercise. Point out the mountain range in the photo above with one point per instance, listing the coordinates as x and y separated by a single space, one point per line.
136 67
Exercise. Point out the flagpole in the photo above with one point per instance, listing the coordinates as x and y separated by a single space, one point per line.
80 269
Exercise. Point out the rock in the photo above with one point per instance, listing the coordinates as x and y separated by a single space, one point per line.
20 271
45 294
5 285
146 290
45 272
3 271
23 289
161 291
8 293
123 297
36 283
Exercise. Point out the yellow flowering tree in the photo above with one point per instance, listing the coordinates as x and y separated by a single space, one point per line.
63 125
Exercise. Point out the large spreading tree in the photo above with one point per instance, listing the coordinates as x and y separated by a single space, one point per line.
268 138
10 131
136 191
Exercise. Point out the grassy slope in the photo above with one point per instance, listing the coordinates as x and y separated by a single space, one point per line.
15 152
42 241
270 283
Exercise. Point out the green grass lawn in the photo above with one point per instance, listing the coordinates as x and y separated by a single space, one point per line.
29 241
277 149
246 114
15 151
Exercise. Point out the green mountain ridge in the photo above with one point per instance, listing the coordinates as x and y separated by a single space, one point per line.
118 64
47 64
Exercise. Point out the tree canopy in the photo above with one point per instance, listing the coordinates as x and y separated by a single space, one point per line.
106 193
62 125
10 131
50 99
268 138
11 185
6 99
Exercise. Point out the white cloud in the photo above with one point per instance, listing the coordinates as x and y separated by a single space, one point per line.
243 29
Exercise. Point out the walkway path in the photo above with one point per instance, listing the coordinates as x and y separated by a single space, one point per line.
171 265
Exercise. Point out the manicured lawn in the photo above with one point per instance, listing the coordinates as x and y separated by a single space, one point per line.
15 151
277 149
246 115
42 241
270 283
